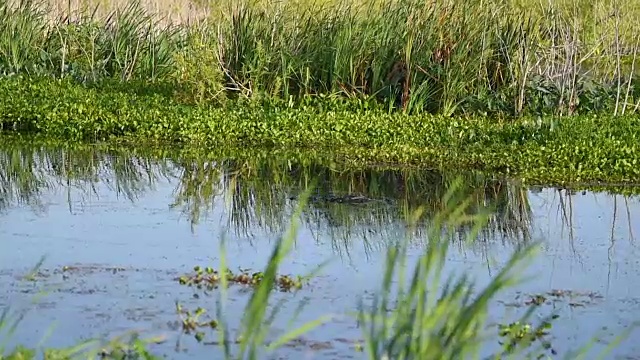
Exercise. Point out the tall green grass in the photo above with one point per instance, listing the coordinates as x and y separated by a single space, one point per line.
451 57
435 317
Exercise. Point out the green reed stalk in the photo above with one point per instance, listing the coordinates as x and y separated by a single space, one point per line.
451 57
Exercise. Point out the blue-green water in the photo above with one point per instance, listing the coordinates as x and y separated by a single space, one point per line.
128 226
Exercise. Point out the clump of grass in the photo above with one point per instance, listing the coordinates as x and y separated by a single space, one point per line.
452 57
127 44
209 278
435 316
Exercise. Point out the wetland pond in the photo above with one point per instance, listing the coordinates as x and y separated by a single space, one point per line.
118 228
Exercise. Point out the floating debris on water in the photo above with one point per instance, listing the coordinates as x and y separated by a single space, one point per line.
191 323
210 278
523 335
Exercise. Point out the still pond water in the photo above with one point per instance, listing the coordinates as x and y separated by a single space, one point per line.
127 225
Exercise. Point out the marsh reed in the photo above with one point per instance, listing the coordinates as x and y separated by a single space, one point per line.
445 57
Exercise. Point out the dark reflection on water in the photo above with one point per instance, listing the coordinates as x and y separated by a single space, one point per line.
103 208
261 195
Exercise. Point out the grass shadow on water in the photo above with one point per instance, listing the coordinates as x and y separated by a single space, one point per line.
264 192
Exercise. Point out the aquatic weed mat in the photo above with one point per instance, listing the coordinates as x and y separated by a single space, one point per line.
602 162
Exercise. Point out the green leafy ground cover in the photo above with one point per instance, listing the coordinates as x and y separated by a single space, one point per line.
587 148
452 85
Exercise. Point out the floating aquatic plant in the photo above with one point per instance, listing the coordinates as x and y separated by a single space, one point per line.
207 277
191 323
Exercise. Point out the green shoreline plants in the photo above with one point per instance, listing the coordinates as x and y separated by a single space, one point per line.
451 57
588 148
330 76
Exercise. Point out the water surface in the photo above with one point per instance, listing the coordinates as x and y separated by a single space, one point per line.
128 225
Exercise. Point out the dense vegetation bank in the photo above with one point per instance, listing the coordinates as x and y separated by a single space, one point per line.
515 88
453 57
551 149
